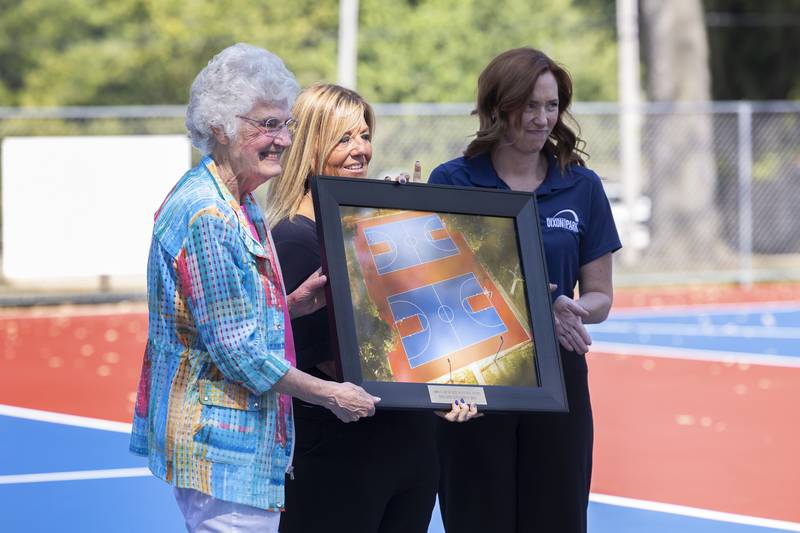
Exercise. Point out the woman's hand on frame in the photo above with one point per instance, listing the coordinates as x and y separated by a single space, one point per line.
461 411
350 402
403 177
309 296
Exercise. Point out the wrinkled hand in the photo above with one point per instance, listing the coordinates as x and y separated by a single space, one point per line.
568 317
309 296
350 402
403 177
460 412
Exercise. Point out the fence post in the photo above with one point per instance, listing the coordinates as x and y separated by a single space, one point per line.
744 112
629 122
348 43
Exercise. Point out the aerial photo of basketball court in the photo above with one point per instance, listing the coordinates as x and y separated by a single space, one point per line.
445 309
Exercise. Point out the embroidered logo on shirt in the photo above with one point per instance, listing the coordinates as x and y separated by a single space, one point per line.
566 219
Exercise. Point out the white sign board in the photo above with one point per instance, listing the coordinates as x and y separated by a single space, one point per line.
84 206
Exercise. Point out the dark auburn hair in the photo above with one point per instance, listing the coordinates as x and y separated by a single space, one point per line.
504 89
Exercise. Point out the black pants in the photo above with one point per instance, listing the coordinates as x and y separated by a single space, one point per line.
515 473
377 475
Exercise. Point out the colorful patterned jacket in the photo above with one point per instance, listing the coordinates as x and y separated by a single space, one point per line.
205 415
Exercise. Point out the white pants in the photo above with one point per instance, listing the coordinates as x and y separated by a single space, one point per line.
206 514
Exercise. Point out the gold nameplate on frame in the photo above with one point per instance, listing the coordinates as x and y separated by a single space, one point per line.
450 393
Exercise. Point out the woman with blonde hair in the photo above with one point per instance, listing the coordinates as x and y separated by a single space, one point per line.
367 477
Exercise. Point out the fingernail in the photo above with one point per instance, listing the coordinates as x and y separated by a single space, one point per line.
462 400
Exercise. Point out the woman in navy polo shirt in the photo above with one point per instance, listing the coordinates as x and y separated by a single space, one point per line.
532 472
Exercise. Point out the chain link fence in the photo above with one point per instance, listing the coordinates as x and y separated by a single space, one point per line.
715 198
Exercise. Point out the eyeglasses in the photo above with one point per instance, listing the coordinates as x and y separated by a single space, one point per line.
271 126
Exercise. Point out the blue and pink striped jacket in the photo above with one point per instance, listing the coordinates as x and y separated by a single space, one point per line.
205 414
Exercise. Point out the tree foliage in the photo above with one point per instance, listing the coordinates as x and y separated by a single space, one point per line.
754 49
97 52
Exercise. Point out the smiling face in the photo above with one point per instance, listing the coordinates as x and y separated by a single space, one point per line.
351 155
254 155
539 116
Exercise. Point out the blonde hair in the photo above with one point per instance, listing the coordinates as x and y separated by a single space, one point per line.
324 112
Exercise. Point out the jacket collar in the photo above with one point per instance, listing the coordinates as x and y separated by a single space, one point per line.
253 245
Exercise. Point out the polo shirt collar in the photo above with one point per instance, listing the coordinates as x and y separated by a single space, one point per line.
485 174
555 180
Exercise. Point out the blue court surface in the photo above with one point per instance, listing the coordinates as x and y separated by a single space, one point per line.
765 333
448 322
68 474
57 477
64 478
409 242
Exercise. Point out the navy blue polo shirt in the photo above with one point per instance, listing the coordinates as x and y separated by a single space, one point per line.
574 213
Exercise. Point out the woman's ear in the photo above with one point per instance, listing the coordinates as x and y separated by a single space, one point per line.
219 135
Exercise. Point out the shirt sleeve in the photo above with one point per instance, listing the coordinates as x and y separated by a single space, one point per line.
440 176
222 297
298 252
601 231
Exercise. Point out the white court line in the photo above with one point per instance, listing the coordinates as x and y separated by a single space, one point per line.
404 229
80 475
698 330
69 420
743 308
410 237
76 311
438 299
460 342
427 329
693 512
668 352
432 242
470 313
372 255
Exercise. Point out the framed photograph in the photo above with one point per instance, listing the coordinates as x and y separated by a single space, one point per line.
438 293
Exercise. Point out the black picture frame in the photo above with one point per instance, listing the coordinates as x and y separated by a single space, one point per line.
334 197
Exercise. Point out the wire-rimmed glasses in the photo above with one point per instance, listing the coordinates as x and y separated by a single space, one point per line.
271 126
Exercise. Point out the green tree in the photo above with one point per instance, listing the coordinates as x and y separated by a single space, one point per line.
94 52
754 49
433 50
98 52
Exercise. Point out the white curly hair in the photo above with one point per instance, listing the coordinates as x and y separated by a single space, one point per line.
231 84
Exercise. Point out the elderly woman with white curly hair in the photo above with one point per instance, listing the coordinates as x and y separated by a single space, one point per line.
213 413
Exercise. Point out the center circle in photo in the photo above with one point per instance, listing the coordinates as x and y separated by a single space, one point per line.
445 313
